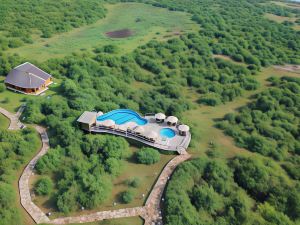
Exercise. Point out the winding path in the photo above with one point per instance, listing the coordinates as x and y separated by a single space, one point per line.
151 212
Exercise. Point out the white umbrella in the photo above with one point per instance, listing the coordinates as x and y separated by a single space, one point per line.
130 125
160 116
99 113
152 135
109 123
172 119
139 129
183 128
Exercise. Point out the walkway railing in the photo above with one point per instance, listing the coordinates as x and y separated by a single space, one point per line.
137 137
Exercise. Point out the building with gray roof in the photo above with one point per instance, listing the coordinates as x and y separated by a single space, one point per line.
28 79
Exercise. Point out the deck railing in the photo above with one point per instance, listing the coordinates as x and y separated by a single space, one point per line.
131 134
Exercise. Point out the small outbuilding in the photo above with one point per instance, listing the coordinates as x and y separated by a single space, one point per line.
87 120
183 129
28 79
160 117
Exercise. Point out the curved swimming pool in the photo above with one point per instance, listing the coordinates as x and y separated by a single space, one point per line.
121 116
167 132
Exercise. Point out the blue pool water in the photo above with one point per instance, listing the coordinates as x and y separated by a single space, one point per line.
121 116
167 132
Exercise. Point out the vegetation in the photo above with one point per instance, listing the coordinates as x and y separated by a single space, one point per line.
127 196
43 186
269 124
15 149
146 21
242 190
147 156
206 191
17 22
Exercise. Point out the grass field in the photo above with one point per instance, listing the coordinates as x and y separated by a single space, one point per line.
146 21
4 122
146 173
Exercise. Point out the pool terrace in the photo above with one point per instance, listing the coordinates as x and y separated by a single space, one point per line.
154 130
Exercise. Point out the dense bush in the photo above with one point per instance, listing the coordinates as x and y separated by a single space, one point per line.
196 193
147 156
269 124
15 148
127 196
43 186
17 20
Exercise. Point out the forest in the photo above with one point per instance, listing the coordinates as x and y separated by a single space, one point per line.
239 190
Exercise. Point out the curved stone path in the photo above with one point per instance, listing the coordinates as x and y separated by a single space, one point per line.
151 212
15 123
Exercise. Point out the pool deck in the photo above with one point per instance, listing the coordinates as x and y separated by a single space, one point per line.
178 143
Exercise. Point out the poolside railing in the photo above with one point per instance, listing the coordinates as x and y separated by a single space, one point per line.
138 137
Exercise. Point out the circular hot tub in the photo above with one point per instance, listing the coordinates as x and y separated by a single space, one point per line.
167 132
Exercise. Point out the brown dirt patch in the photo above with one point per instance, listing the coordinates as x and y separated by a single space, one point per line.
120 33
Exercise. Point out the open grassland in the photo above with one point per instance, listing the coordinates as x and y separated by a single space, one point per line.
4 122
202 118
146 21
147 174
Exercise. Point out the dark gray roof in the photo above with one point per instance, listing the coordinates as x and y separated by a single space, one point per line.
27 75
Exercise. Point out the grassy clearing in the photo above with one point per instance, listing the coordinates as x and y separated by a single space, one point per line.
4 122
146 173
225 57
292 5
147 22
279 19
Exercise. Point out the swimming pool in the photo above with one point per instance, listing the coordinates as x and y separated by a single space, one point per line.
121 116
167 132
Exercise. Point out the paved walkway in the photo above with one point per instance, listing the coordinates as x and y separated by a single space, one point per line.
151 212
35 212
14 124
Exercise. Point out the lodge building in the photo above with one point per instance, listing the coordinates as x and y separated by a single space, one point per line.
28 79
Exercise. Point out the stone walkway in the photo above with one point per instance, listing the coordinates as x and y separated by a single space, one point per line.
151 212
35 212
14 124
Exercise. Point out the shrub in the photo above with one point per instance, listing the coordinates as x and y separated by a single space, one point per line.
2 87
135 182
127 196
147 156
43 186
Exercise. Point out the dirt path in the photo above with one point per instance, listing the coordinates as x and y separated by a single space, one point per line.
151 212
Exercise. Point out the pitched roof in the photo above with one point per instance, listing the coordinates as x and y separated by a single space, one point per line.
87 118
27 75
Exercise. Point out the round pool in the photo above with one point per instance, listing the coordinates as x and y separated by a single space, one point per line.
167 132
